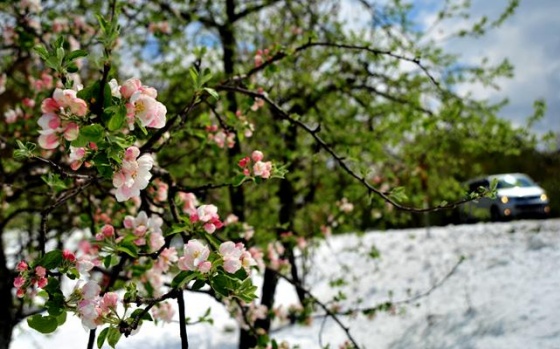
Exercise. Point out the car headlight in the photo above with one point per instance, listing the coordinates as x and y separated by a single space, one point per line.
504 199
544 197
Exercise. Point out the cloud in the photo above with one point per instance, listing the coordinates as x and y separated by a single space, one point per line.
530 41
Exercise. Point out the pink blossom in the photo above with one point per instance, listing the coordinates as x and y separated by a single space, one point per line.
33 6
28 102
42 282
109 301
133 176
207 212
55 119
156 241
90 312
40 271
231 219
71 131
150 112
20 293
163 311
90 290
231 254
195 257
76 157
189 202
19 281
166 258
11 115
48 140
257 155
160 191
262 169
84 264
108 230
69 256
244 162
22 266
129 87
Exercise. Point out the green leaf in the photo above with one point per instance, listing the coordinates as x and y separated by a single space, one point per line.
212 93
72 68
113 336
51 260
76 54
61 319
176 229
89 93
102 336
79 142
198 284
220 283
117 120
41 51
182 278
107 261
239 179
128 248
53 180
60 55
146 316
52 286
194 77
92 133
43 324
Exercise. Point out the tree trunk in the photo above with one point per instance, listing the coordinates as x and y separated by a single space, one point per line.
7 321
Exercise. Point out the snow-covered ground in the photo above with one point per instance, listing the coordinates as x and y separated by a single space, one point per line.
505 294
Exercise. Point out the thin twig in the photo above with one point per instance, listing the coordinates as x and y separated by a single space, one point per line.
310 44
329 313
314 132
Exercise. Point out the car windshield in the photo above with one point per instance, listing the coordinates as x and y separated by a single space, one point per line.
510 181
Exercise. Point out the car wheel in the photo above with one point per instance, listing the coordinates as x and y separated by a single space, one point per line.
495 214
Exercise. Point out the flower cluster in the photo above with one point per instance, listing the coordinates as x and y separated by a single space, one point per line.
220 137
236 256
190 202
163 311
134 174
345 206
60 114
159 190
147 231
28 277
141 104
195 257
260 168
91 307
248 127
262 55
259 102
275 252
11 115
208 216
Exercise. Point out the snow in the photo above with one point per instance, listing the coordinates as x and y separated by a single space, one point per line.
505 294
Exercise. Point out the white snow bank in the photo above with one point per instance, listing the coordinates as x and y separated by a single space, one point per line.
504 295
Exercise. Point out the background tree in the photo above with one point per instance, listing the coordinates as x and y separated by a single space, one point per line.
354 116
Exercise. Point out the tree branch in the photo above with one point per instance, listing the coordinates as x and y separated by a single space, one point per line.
314 132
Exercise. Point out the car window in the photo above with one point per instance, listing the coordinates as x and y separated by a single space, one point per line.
510 181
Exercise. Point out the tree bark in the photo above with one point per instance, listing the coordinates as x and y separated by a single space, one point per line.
7 321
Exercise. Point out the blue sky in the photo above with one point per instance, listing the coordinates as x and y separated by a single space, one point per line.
530 39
